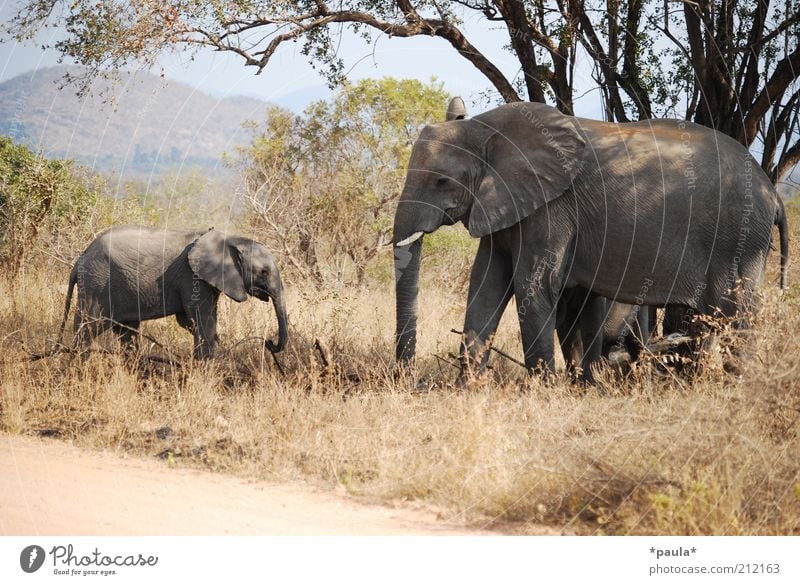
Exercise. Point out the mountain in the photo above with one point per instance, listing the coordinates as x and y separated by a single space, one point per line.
299 99
140 125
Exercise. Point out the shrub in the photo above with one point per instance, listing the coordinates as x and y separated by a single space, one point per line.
321 186
38 196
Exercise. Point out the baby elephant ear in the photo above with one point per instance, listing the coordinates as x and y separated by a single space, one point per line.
531 158
213 258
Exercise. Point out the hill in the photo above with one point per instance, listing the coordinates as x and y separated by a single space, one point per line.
143 124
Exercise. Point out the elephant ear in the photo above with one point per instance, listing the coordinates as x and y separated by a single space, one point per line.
531 158
215 259
456 110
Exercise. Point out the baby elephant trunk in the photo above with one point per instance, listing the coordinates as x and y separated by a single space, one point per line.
283 324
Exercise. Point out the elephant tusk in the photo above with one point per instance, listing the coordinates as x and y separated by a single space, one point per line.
410 239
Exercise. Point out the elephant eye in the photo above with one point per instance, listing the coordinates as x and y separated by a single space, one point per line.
441 181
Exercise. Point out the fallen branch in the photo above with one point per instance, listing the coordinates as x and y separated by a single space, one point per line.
658 346
323 353
497 351
448 362
671 341
331 368
278 365
59 349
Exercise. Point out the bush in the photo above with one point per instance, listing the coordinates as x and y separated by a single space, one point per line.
37 197
320 187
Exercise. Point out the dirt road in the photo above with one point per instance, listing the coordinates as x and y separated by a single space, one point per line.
51 488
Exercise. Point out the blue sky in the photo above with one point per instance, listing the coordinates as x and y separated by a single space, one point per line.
291 81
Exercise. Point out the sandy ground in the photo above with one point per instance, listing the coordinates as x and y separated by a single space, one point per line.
49 487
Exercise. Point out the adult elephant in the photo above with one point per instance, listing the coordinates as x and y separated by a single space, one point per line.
622 325
131 274
655 213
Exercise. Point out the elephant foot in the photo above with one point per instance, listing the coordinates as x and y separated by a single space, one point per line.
587 377
580 375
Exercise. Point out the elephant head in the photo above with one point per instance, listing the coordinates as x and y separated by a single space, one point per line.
240 267
489 172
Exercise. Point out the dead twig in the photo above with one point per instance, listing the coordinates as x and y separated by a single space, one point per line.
331 368
278 365
242 342
500 352
448 362
323 353
60 349
671 341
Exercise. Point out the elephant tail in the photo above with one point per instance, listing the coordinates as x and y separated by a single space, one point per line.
783 232
73 279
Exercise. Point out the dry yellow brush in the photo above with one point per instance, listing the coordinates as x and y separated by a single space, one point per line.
717 454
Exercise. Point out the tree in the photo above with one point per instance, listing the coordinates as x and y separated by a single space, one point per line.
37 194
728 64
320 185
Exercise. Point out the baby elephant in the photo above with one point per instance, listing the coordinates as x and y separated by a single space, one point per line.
130 274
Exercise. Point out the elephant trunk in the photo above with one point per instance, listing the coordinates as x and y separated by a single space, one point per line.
283 324
406 269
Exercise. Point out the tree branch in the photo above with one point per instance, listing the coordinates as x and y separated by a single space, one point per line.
594 47
631 80
414 26
759 41
788 160
521 36
786 72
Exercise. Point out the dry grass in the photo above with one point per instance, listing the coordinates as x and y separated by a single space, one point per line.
716 454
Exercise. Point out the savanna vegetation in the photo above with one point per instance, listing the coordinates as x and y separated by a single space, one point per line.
646 451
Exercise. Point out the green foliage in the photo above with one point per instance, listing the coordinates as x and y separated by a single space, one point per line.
321 184
38 196
175 200
56 207
450 240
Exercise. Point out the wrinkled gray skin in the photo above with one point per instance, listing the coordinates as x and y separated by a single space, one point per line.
679 319
629 326
662 212
632 326
130 274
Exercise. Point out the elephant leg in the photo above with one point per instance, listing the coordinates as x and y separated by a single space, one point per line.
128 334
581 316
679 319
593 316
490 289
185 322
83 336
568 329
536 292
739 306
203 325
537 326
87 327
641 329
